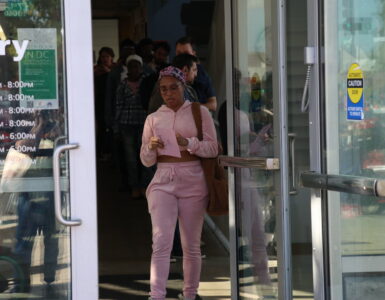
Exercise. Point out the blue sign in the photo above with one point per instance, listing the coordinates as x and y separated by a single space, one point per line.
356 110
355 93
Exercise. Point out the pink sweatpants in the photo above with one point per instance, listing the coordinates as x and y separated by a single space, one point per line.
177 191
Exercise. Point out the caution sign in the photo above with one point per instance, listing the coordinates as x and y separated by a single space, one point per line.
355 93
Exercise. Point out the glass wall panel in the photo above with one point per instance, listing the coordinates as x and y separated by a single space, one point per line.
355 104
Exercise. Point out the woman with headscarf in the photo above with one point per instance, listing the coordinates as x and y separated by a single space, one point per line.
178 189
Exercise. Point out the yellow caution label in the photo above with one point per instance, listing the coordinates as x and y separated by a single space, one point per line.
355 83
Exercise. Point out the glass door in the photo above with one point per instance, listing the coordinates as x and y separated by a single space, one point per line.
48 246
258 153
349 254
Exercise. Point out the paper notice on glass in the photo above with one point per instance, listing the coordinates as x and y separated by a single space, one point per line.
168 137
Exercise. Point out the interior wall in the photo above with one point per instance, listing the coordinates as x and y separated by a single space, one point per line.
134 24
164 21
105 34
131 17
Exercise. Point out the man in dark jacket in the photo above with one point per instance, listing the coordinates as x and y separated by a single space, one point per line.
202 84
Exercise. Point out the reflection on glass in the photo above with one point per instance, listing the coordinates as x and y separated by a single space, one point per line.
253 115
361 144
356 147
34 248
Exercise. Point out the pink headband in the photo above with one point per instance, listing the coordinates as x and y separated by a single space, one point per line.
173 72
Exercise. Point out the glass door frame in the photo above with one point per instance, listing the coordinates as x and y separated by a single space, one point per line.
280 146
79 76
316 142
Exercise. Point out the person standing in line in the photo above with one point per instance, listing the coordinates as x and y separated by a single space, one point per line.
161 52
178 190
145 49
202 84
160 61
105 61
189 66
102 68
117 74
130 117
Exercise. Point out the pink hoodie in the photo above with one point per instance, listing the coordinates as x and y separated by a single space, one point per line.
181 122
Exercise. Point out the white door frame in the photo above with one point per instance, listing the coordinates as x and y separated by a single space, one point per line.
80 101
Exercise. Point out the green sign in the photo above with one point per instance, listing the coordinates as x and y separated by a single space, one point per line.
16 9
39 68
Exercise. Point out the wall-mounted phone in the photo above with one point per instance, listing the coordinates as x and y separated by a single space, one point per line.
309 59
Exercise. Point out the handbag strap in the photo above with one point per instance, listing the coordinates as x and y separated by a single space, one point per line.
196 111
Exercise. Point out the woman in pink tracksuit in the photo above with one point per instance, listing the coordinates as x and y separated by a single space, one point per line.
178 189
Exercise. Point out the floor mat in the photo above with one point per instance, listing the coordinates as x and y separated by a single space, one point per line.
134 286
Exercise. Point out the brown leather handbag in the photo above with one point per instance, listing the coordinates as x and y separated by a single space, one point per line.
215 174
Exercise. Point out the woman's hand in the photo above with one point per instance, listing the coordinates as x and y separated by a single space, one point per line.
181 140
155 143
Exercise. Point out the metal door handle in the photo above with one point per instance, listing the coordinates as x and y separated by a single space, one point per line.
249 162
56 181
344 183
